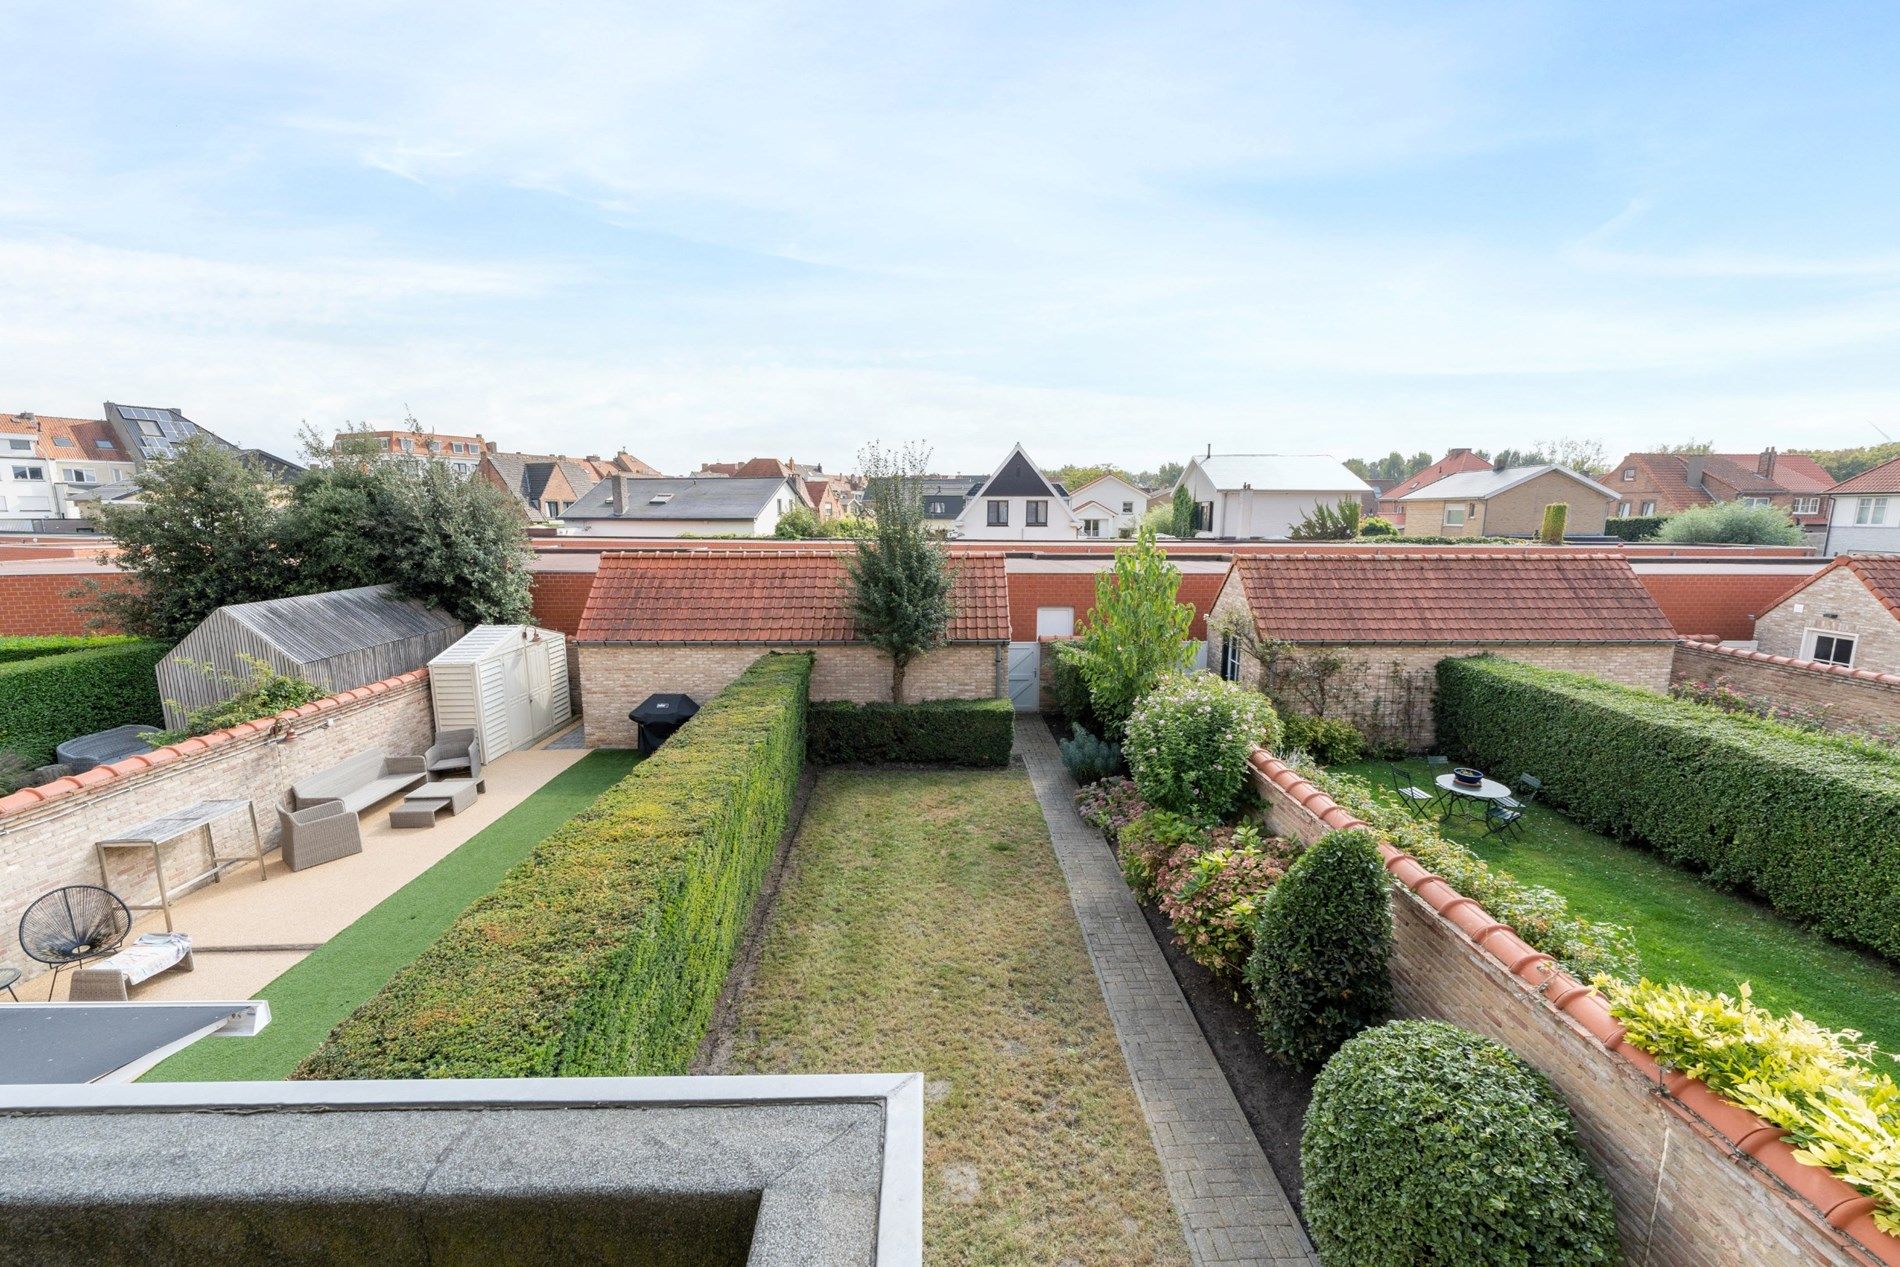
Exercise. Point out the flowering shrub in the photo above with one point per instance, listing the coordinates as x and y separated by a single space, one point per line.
1820 1085
1148 845
1722 696
1327 740
1188 742
1110 805
1210 894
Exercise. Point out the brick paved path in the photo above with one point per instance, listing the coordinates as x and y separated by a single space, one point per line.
1231 1206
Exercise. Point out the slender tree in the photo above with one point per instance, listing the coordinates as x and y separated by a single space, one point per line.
1182 524
1136 632
1552 533
900 577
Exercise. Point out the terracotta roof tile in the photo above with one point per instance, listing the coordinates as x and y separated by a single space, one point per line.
1527 596
1454 463
1884 478
763 597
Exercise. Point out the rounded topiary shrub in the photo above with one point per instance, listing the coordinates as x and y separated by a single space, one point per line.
1426 1143
1322 944
1188 741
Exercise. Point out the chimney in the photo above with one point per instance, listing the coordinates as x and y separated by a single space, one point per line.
491 446
619 496
1692 470
1765 464
1210 450
1455 453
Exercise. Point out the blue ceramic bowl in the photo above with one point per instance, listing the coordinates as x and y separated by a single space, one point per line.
1468 776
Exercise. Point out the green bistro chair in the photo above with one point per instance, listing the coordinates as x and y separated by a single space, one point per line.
1505 817
1416 799
1532 785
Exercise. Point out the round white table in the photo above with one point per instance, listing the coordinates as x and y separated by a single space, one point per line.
1487 790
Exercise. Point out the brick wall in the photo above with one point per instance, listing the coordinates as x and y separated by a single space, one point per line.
1685 1195
615 678
1841 698
47 843
1389 690
1836 603
42 602
1076 589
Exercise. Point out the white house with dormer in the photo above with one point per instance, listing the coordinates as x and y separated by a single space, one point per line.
1017 503
1108 506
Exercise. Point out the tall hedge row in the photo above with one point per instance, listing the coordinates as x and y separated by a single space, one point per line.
49 699
1634 527
602 953
1810 822
33 646
964 732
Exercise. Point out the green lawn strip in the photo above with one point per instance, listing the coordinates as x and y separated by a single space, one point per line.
1686 930
320 990
925 926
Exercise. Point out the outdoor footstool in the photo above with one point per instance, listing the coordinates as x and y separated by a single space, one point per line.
419 808
108 980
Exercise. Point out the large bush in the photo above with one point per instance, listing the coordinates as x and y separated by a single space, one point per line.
1213 893
1318 973
1070 690
50 699
1425 1143
1539 915
1635 527
1732 522
603 952
1136 633
1327 740
965 732
1809 821
32 647
1189 740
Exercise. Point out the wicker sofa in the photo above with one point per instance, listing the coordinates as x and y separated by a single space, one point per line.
360 782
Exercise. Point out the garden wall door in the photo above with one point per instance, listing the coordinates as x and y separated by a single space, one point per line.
1025 676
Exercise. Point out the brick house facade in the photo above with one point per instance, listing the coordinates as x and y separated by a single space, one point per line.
1846 614
1385 621
1506 503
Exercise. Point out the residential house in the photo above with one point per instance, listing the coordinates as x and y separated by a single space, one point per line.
1264 495
1455 462
725 505
690 621
1507 503
80 454
1668 483
1846 614
1016 503
831 496
544 484
944 498
26 481
1109 505
463 453
1864 515
1384 619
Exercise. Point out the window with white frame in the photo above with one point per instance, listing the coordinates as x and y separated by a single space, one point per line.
1454 515
29 473
1807 505
1230 658
1829 647
1622 510
1091 527
17 444
1870 510
76 475
1629 474
1649 508
1757 501
1055 622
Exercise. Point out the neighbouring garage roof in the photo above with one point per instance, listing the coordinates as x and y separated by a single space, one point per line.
764 596
1547 596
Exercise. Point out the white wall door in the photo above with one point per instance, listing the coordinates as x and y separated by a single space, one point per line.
520 705
1055 622
1025 676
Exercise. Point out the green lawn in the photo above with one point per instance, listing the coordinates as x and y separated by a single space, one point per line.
334 980
925 925
1686 930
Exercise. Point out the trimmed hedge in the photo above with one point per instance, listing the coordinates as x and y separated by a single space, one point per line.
966 732
603 952
1426 1143
32 647
1634 528
52 698
1811 822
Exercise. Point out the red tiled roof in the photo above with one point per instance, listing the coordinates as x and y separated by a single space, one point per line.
1796 472
1879 573
1453 463
1884 478
757 468
1530 596
764 597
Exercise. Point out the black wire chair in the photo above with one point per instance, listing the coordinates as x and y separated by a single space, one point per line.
71 925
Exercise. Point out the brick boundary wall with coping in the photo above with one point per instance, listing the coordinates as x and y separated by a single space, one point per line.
1834 693
47 832
1697 1181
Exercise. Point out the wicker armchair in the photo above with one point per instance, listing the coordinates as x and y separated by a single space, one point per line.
455 754
323 833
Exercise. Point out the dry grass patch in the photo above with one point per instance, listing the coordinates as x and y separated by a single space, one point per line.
925 925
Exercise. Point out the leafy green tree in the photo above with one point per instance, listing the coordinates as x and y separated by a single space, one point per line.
1732 522
203 534
1162 476
457 543
900 577
799 522
1845 464
1135 633
1181 515
1688 448
1330 523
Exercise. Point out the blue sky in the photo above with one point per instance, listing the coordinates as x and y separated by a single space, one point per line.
1111 231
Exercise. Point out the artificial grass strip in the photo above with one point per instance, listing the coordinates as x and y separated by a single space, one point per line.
334 980
1685 929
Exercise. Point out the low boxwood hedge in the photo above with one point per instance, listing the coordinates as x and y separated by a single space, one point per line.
966 732
604 951
32 647
1425 1143
1811 822
1634 527
49 699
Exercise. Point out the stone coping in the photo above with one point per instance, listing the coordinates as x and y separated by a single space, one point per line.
1842 1210
33 797
1790 662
